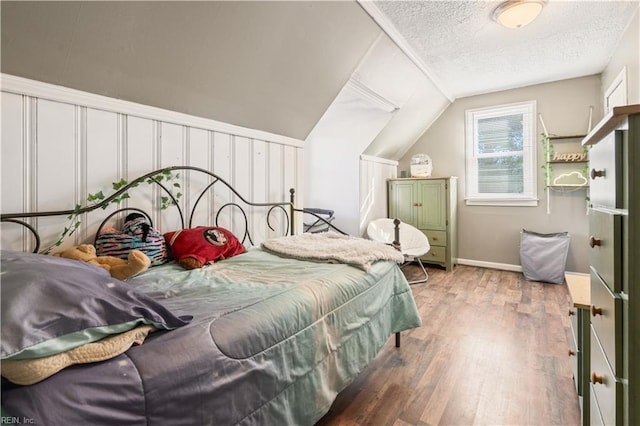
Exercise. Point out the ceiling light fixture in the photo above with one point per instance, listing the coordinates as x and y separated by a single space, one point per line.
517 13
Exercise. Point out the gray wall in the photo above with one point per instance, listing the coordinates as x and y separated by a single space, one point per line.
272 66
491 234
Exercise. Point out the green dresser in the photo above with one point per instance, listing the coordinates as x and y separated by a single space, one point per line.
429 204
579 341
614 256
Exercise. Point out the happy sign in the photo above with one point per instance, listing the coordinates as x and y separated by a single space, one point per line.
570 156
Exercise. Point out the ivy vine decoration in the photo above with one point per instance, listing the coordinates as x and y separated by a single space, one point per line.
169 181
585 167
548 152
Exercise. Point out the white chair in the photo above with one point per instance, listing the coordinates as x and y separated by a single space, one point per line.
411 242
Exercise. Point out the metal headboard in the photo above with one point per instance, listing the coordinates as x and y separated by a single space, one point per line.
186 218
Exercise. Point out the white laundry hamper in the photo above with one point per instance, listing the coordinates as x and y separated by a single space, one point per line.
544 256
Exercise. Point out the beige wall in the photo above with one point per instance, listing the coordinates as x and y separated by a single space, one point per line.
626 55
272 66
492 234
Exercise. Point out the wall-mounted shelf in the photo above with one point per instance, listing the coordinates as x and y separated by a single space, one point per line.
568 186
566 162
554 137
570 159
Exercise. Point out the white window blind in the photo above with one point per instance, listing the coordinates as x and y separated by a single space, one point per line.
500 155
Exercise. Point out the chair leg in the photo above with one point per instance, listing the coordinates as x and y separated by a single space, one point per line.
424 271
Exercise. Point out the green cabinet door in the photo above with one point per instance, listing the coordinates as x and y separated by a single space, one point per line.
402 201
432 204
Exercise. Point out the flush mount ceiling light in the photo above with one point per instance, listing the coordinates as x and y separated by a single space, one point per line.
518 13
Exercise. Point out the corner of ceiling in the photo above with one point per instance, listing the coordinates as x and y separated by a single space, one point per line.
417 112
387 26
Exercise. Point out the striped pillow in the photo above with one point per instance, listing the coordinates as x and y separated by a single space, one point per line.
136 234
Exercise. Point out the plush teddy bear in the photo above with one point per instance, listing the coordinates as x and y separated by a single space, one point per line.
121 269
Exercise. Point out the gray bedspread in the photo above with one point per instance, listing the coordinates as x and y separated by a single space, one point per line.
272 342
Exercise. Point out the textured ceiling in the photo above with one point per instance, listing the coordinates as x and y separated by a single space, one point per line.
467 53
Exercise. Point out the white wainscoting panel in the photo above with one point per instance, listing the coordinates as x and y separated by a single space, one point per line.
139 156
241 178
14 171
59 145
100 148
199 153
374 173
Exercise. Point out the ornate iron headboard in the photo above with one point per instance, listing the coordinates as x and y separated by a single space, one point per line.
170 199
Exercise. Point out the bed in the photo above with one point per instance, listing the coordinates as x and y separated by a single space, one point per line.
258 338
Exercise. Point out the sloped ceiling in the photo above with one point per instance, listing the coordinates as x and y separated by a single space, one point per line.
273 66
277 65
388 72
463 50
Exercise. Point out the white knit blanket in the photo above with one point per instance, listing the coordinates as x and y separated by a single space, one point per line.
333 247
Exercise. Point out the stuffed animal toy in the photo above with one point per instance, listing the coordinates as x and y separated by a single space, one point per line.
136 234
121 269
196 247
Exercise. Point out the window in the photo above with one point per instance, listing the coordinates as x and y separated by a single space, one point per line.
501 155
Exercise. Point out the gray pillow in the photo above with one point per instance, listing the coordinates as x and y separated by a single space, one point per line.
51 305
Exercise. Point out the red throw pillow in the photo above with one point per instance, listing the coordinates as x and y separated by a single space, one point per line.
195 247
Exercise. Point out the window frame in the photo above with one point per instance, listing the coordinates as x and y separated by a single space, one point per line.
529 196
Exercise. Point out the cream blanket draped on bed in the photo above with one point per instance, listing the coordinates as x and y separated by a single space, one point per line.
333 247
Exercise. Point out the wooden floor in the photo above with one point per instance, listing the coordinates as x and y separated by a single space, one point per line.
492 350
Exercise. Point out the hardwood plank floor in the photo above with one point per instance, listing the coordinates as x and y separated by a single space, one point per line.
492 350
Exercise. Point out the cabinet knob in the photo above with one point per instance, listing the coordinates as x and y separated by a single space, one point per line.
572 352
571 312
596 378
597 173
595 311
417 204
593 241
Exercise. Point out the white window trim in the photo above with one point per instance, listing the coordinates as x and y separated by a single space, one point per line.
530 196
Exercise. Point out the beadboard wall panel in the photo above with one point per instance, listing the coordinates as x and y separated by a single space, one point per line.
14 173
100 146
199 153
139 156
60 145
374 173
172 141
241 178
57 149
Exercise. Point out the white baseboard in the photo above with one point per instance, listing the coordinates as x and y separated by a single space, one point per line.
502 266
580 274
490 265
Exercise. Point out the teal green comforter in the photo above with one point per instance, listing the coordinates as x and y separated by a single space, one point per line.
272 342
